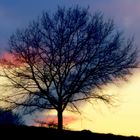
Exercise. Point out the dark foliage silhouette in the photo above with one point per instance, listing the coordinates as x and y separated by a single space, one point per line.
62 58
7 117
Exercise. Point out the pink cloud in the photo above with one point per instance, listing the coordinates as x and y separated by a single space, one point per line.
10 60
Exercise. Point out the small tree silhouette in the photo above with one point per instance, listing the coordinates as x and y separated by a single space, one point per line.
40 123
61 59
49 124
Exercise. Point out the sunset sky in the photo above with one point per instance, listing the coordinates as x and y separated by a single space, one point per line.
123 119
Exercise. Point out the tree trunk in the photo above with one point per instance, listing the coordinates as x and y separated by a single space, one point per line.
60 119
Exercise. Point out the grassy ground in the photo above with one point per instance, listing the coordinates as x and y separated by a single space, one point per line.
24 132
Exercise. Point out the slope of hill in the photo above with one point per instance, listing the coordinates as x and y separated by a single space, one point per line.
24 132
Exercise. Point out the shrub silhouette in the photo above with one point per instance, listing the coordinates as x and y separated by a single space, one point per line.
7 117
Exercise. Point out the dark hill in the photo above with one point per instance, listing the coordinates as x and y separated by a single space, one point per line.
24 132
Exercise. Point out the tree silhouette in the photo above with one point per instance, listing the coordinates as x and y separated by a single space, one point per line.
62 58
7 117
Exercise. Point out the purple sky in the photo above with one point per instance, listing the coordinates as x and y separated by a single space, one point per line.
17 14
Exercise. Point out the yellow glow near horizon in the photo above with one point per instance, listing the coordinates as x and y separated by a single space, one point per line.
122 120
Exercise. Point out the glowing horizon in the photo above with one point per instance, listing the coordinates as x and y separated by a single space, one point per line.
122 119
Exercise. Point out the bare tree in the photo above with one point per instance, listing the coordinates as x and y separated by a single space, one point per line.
62 58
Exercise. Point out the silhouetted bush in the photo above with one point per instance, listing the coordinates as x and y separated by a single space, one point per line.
7 117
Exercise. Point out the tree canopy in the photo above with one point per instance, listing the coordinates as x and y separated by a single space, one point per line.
62 58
